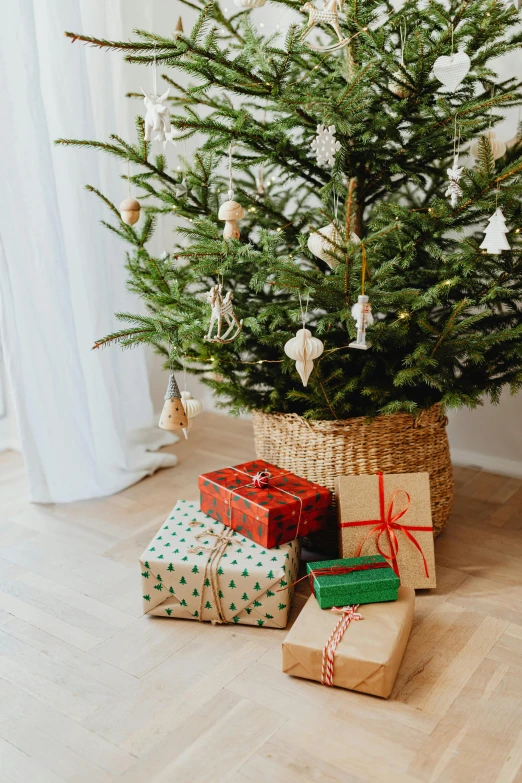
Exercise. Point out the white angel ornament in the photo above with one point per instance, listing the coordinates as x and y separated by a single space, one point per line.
362 315
157 117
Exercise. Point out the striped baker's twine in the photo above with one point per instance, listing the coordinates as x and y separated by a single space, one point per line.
348 613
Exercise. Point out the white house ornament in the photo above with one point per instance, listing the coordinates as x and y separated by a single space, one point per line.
230 211
130 211
454 191
451 70
498 147
328 15
173 416
362 315
157 117
322 243
303 349
325 145
495 234
221 310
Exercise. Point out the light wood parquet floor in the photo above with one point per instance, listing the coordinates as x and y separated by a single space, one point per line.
92 692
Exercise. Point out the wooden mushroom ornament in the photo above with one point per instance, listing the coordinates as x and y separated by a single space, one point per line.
230 211
304 348
130 211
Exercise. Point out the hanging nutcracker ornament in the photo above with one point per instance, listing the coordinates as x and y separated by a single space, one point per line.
130 207
157 116
222 312
327 15
230 211
304 348
173 416
362 311
454 191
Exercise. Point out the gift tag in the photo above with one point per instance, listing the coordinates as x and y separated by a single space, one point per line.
451 71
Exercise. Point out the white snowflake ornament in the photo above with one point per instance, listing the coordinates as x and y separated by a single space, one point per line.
454 191
325 145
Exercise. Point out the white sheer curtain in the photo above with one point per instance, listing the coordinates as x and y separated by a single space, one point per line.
85 418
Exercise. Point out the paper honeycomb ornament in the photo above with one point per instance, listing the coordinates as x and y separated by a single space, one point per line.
495 234
498 147
322 243
304 348
249 3
452 70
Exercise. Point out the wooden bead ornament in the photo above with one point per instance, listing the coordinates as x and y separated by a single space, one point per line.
304 348
130 211
173 416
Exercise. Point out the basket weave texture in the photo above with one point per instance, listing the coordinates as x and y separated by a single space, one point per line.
399 443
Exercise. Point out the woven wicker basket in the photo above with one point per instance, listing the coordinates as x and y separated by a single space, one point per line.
322 450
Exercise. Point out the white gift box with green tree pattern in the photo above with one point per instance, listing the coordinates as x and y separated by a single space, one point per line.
197 569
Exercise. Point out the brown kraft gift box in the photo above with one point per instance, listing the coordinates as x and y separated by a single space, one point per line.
369 654
389 514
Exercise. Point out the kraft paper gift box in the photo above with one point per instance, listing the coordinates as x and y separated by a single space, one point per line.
287 507
389 514
368 655
197 569
354 580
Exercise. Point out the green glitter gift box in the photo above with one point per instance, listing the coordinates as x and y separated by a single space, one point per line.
354 580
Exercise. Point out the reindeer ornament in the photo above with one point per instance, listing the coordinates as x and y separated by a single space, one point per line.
222 308
328 14
157 117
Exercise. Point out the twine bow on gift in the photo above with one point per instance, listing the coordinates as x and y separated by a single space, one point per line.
387 524
348 613
221 542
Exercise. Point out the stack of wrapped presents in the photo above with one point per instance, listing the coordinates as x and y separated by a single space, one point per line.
234 558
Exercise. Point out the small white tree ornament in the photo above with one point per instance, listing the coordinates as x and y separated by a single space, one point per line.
323 244
454 191
157 117
495 234
362 315
325 145
329 15
303 349
451 71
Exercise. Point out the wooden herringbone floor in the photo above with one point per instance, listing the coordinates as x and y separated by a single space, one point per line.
91 691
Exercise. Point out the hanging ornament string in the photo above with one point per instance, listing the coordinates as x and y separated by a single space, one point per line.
230 189
155 74
128 178
304 313
363 266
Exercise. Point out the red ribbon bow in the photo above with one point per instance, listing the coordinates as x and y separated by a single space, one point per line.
388 524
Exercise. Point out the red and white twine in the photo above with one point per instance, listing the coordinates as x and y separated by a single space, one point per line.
348 613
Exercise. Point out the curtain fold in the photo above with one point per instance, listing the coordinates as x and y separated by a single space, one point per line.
85 418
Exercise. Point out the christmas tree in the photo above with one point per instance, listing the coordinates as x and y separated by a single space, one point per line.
446 314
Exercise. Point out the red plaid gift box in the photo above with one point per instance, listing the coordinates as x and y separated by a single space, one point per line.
264 503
